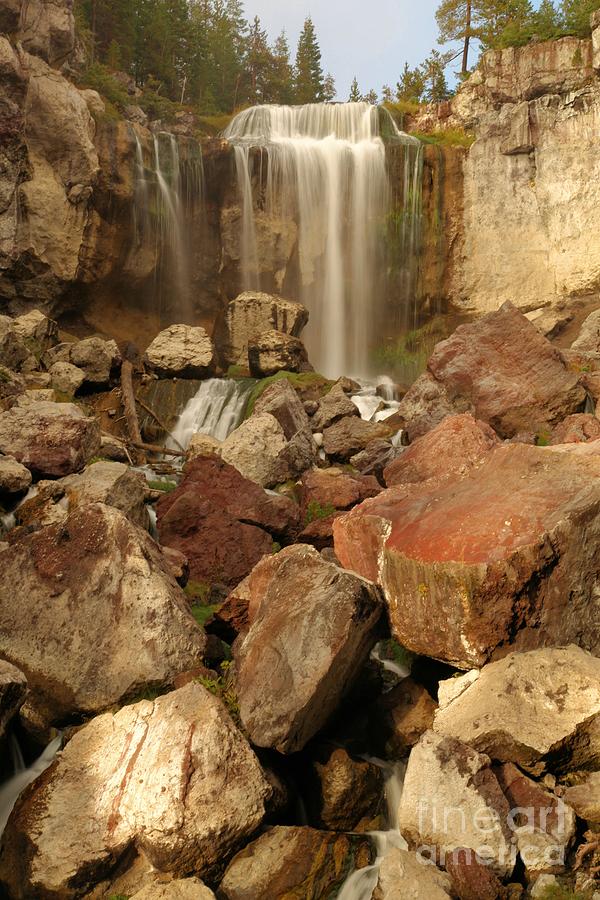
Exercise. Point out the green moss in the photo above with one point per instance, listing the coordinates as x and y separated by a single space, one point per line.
198 592
237 372
558 892
315 511
448 137
203 613
118 897
276 547
307 382
542 438
406 357
165 486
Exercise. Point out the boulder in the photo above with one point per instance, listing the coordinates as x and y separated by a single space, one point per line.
344 790
274 351
252 313
576 429
333 406
114 484
181 351
103 617
96 357
66 378
202 445
473 880
13 688
36 330
290 861
403 875
588 339
257 450
14 477
179 889
13 352
351 435
402 715
457 444
375 458
537 709
47 30
151 777
222 521
452 801
323 491
312 626
584 798
51 439
507 553
501 370
543 824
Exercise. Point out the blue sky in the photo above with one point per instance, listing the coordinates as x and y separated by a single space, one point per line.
371 40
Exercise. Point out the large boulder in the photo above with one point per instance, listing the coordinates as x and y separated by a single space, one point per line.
507 553
36 330
333 406
290 861
403 875
312 626
500 369
91 614
96 357
588 339
457 444
323 491
452 800
50 439
274 351
221 521
13 688
66 378
252 313
348 436
534 709
151 777
344 790
181 351
179 889
112 483
14 477
47 29
13 352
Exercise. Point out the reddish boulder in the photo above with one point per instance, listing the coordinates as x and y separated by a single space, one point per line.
576 429
500 369
473 880
506 554
453 447
312 626
333 489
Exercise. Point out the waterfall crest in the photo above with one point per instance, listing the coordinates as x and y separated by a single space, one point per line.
324 167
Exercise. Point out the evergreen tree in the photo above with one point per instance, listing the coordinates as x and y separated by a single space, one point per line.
355 96
309 83
386 94
546 21
455 20
503 22
576 15
259 64
282 78
329 91
371 97
411 86
434 77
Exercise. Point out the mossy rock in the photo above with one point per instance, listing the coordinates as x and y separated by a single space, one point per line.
308 385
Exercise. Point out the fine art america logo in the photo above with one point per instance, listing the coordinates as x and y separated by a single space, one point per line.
540 835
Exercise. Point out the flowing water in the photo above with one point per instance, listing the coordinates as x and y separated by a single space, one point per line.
323 166
216 409
10 790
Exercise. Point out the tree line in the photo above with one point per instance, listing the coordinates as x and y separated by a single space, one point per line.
203 53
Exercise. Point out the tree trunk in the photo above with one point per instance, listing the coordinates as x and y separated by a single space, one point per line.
465 59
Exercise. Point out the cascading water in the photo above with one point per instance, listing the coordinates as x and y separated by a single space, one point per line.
216 409
169 196
326 171
10 790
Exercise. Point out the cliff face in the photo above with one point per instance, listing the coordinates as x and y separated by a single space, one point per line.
531 180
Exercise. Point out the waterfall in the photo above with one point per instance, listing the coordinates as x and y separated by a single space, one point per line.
323 166
168 195
216 409
10 790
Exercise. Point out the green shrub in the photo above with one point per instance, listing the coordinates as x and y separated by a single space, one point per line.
447 137
315 511
223 687
100 78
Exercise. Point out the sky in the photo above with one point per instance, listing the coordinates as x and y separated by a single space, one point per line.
371 40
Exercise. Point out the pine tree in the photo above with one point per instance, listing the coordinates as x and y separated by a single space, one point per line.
576 15
455 20
371 97
329 91
386 94
434 77
504 22
411 86
355 96
546 21
308 72
282 78
258 65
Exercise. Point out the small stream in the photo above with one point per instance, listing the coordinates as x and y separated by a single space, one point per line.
10 789
217 408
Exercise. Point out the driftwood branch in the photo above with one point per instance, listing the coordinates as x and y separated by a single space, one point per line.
158 421
154 448
133 425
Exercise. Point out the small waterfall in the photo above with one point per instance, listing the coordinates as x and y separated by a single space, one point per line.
168 196
326 170
216 409
10 790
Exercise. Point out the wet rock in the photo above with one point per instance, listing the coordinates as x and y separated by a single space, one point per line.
114 484
96 357
14 477
312 626
588 339
253 313
221 521
281 401
404 876
345 790
544 824
333 406
350 435
403 714
51 439
452 800
13 688
584 798
501 370
151 777
576 429
534 709
274 351
497 555
104 617
457 444
66 378
291 861
326 490
181 351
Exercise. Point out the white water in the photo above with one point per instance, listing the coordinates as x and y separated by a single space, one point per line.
216 409
361 883
10 790
325 170
376 400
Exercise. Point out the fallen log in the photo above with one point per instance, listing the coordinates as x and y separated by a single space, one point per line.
128 397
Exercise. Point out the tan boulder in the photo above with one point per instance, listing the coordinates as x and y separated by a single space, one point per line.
275 351
112 483
14 477
181 351
47 29
253 313
13 688
404 876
